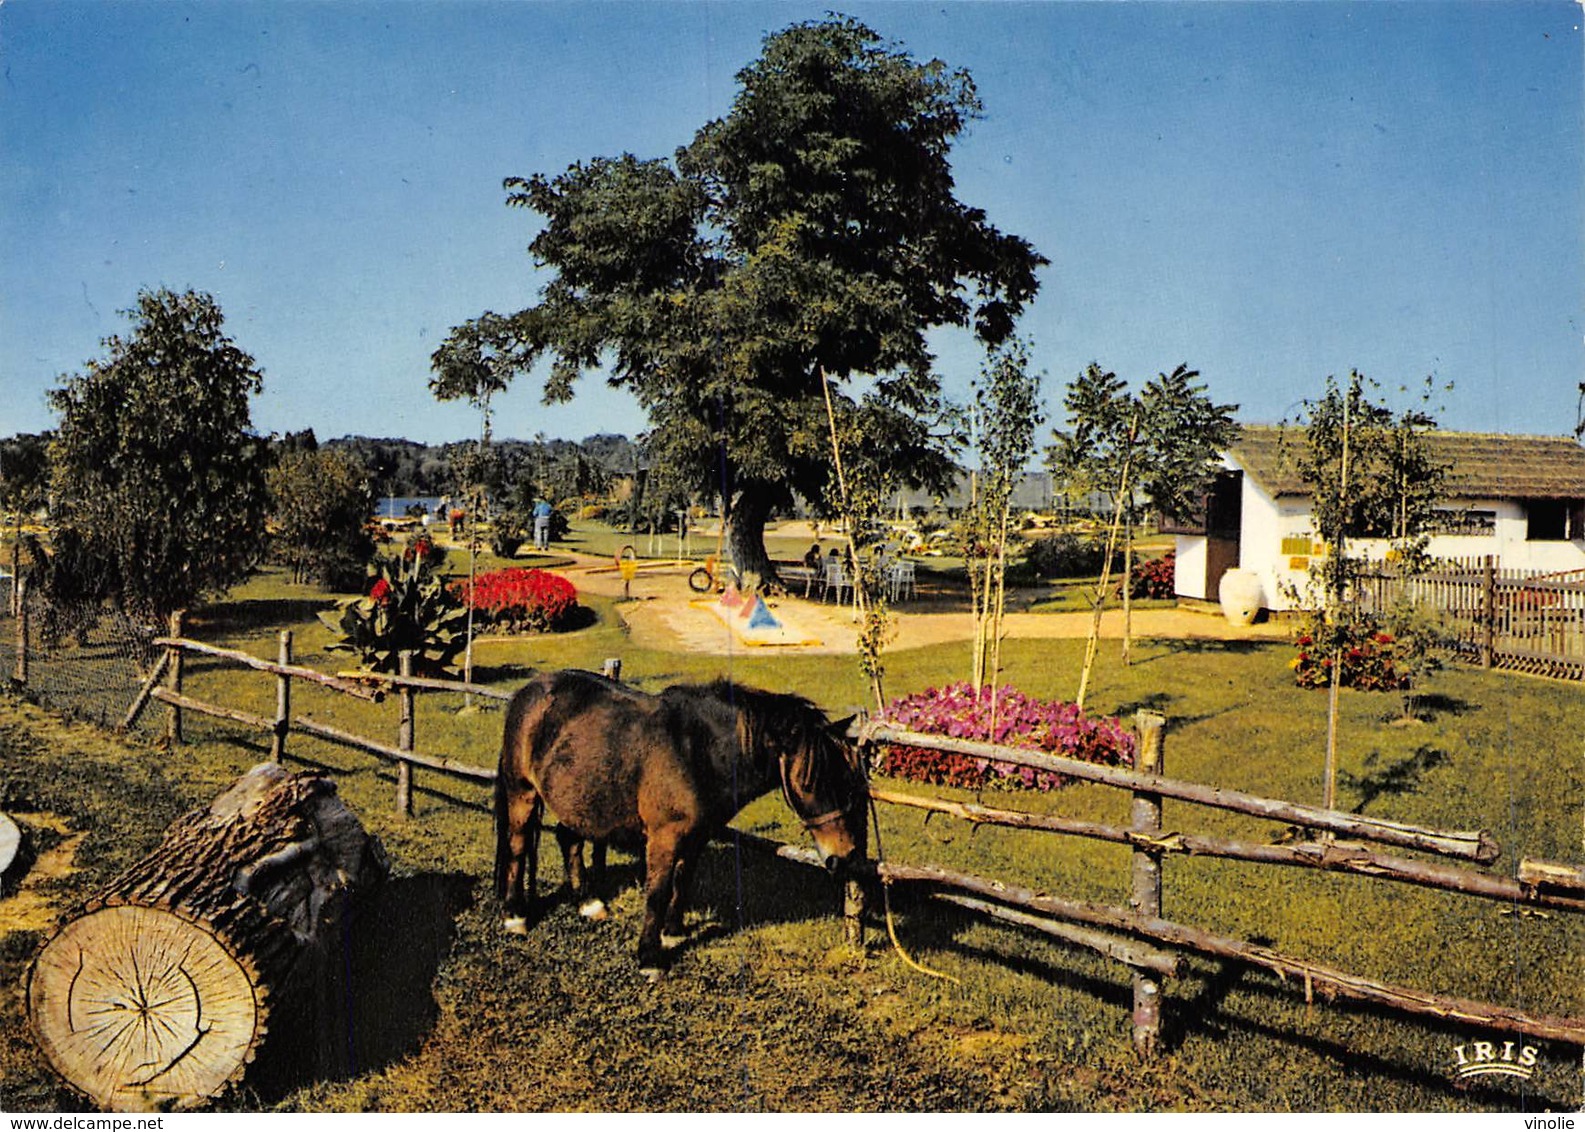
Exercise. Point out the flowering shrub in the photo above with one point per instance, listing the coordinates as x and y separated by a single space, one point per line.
521 599
1153 578
959 711
424 551
1369 656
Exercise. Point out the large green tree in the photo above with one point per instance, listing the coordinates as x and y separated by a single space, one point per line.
811 234
156 475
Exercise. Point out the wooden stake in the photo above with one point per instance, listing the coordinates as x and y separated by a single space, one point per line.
1146 878
283 699
173 681
20 672
404 741
141 700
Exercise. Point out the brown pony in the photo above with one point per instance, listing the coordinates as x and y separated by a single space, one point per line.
667 772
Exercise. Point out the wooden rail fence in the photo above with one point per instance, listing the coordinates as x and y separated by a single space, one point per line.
1136 935
1538 884
164 683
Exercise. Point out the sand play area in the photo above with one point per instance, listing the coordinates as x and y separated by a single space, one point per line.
665 613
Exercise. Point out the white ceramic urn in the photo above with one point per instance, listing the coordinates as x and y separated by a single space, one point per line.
1241 596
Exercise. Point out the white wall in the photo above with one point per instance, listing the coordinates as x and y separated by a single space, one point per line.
1266 522
1188 578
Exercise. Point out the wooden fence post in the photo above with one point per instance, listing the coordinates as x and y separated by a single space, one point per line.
404 739
20 674
283 700
173 678
1146 896
1488 609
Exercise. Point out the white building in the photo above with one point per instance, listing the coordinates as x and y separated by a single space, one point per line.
1520 499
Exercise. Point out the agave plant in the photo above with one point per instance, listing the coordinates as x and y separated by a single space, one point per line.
407 608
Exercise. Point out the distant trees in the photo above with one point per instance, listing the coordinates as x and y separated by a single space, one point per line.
24 482
157 477
809 236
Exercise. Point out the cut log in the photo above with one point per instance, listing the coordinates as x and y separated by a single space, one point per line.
159 993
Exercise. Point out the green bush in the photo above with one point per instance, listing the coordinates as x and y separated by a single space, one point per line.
1065 555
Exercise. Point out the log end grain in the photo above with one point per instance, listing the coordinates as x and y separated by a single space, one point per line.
157 994
142 1009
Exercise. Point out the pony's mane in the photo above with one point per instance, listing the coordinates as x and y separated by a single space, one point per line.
775 724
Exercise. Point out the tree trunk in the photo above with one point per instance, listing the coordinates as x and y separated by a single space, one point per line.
159 992
746 531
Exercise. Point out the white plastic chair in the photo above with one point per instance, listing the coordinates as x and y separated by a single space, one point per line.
836 579
901 579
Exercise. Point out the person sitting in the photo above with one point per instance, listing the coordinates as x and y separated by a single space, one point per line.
812 560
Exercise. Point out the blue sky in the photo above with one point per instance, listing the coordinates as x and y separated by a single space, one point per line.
1271 192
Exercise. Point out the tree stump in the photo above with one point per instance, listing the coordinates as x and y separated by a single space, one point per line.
159 992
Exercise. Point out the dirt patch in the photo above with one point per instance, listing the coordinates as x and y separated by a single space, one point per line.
31 900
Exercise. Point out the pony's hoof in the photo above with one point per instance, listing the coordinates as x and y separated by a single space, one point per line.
672 942
652 975
593 910
515 925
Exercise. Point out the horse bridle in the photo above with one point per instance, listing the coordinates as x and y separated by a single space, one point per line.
820 820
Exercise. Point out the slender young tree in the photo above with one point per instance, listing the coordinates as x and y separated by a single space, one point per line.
1371 475
812 234
1160 446
1007 411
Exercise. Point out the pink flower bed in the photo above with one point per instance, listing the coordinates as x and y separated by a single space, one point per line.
958 711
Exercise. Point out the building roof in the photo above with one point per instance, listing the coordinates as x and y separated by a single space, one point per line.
1480 465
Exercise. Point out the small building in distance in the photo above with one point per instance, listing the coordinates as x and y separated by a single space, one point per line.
1519 499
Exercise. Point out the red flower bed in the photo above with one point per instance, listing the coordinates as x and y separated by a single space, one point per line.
1153 578
958 711
522 599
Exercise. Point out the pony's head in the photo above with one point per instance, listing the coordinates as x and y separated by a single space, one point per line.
823 780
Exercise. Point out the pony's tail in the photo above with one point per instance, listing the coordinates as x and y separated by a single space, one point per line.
523 715
502 834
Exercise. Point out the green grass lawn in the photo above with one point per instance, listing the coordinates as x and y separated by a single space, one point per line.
766 1009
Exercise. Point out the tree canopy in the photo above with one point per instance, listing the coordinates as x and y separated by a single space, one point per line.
157 476
810 234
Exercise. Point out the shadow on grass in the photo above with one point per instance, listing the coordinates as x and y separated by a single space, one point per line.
1208 1013
1175 646
1432 704
373 1002
1401 776
254 614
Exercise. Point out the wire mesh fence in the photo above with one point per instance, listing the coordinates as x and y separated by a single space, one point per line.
83 659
